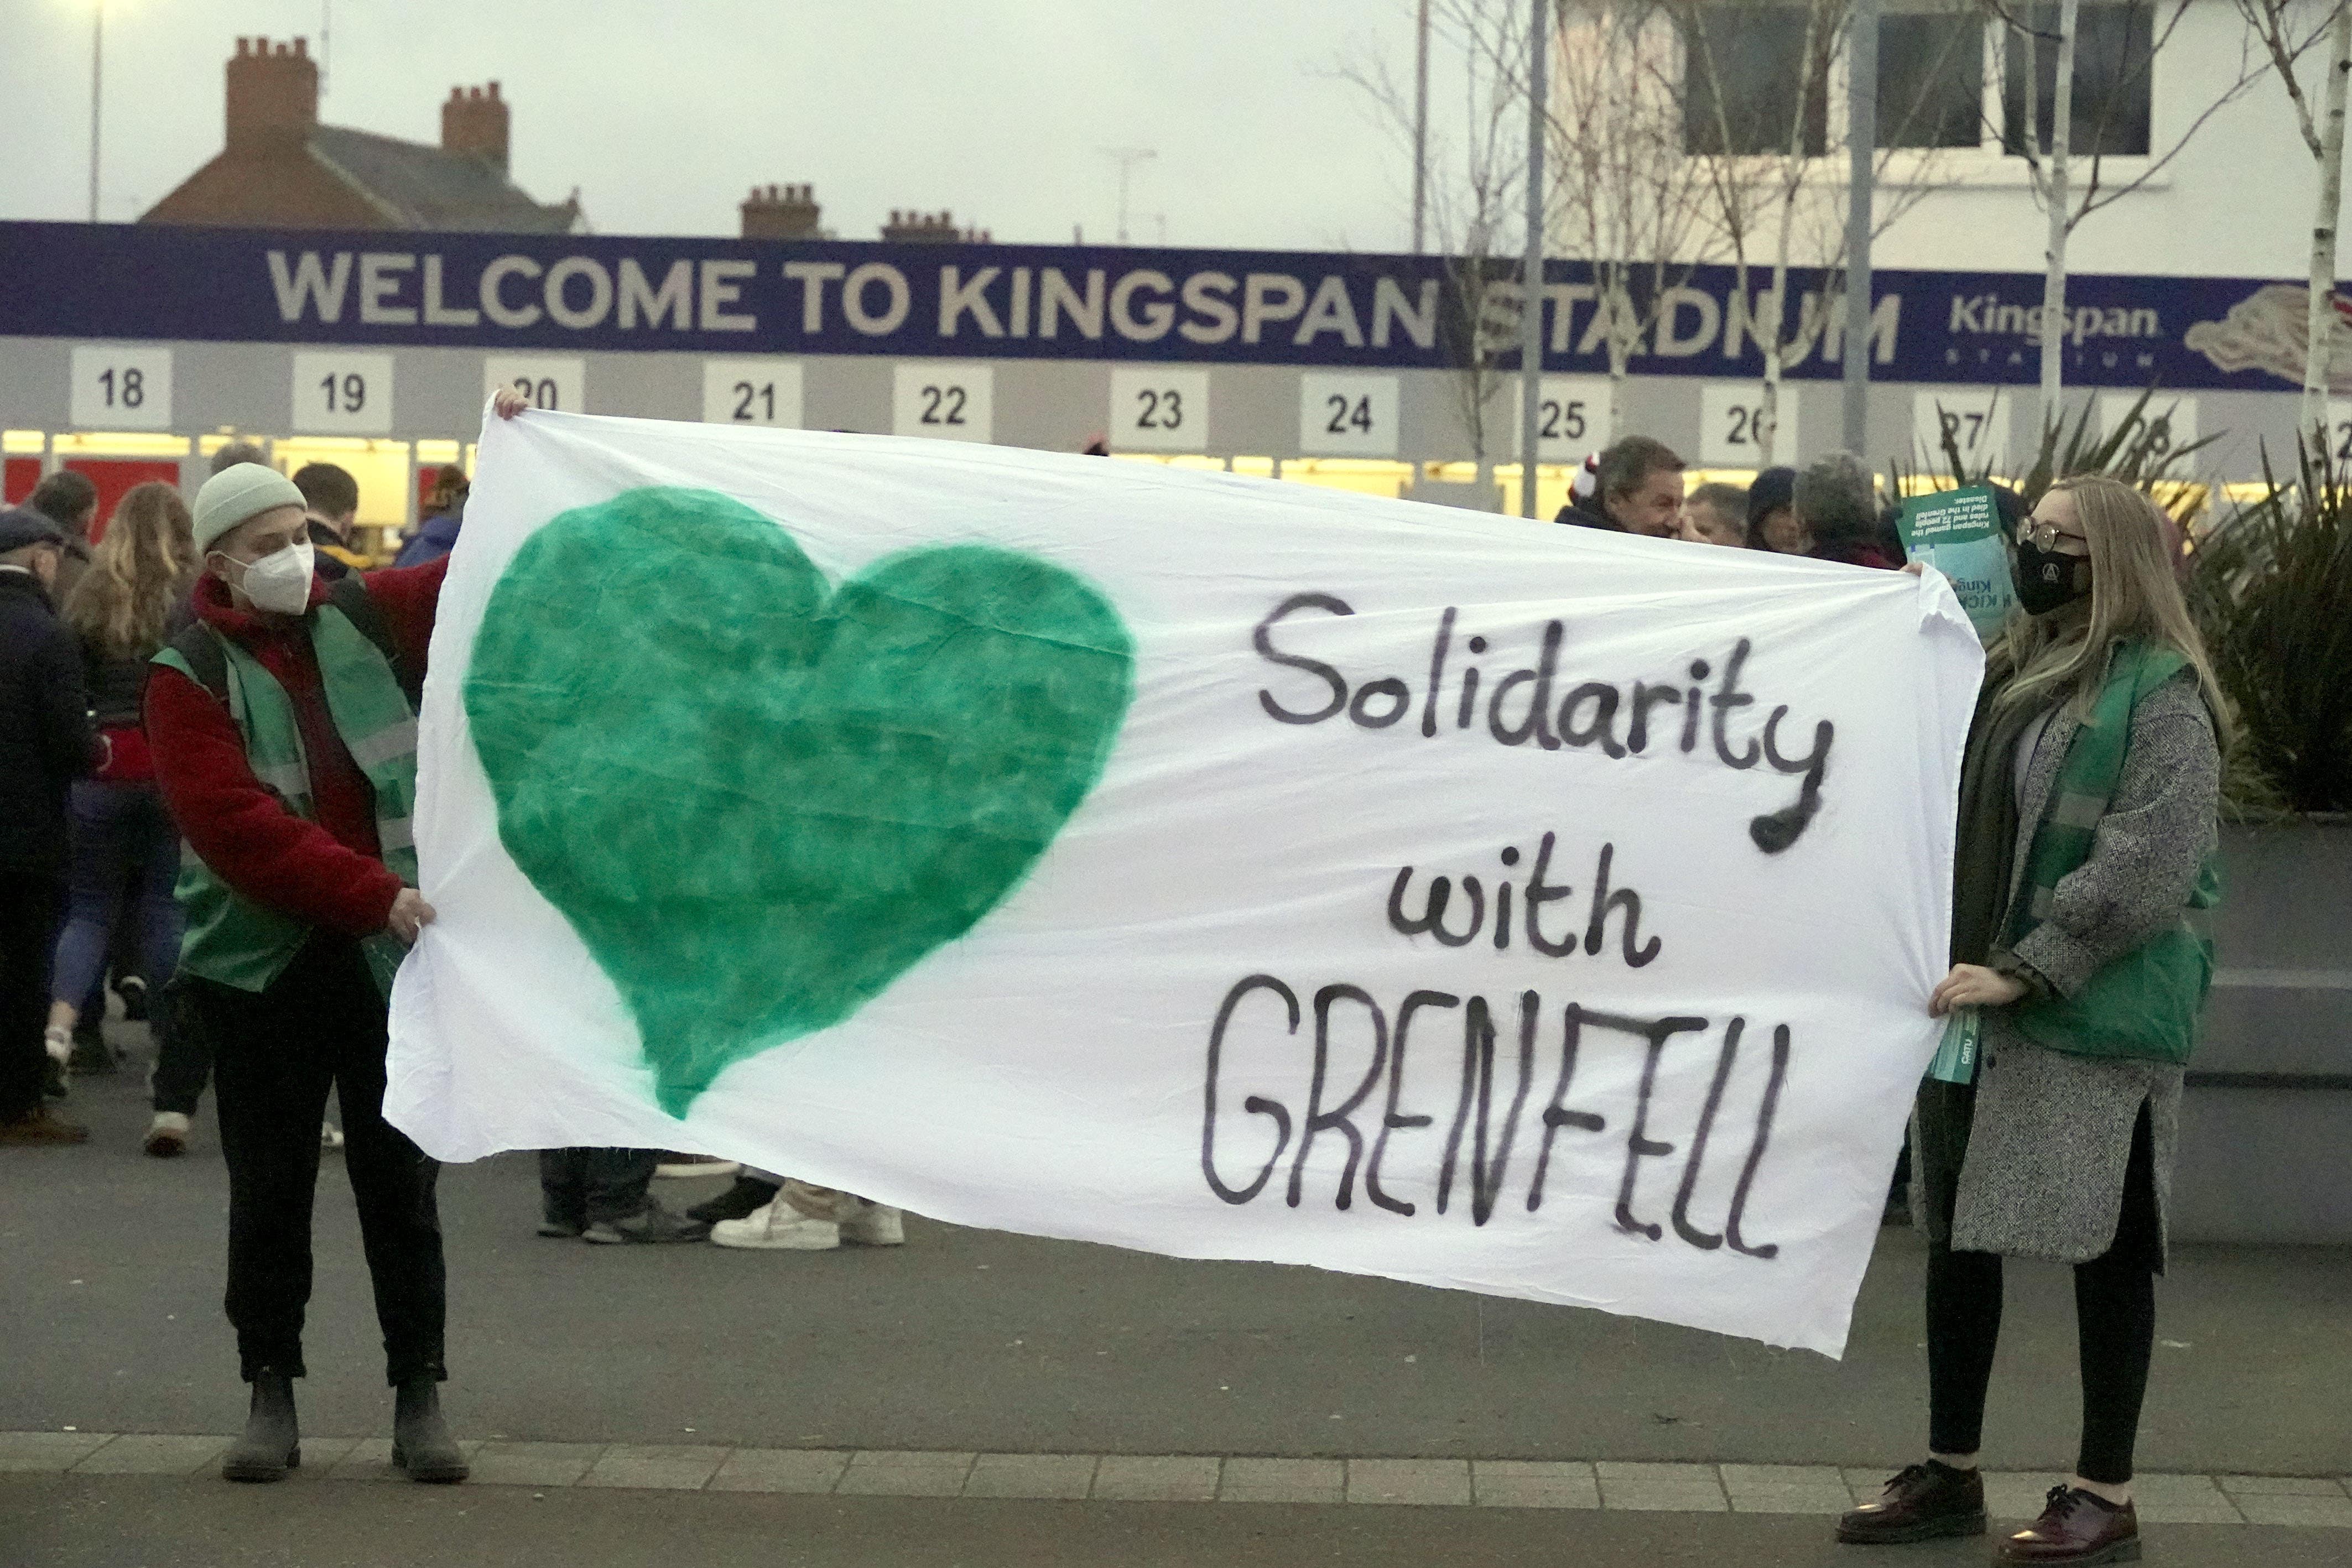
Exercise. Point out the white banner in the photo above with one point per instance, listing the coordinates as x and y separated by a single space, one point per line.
1216 866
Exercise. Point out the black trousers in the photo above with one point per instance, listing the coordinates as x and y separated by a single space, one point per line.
2114 1326
321 1025
582 1186
31 904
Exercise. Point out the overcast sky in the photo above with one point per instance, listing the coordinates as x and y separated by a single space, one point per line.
664 114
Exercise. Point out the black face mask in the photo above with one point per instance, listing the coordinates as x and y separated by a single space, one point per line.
2048 581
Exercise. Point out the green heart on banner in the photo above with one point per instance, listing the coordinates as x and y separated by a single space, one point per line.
759 803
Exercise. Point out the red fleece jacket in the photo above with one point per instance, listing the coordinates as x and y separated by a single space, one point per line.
326 872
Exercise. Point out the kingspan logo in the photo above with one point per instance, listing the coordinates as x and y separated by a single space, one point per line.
1987 315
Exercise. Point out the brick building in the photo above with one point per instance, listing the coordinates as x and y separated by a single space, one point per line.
281 168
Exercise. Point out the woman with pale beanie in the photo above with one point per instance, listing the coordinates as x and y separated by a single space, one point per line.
283 728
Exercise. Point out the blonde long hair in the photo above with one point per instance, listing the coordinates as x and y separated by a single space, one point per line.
148 556
2063 657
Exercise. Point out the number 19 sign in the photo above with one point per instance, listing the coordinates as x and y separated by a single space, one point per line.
342 393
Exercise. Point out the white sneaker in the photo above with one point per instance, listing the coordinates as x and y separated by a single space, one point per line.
330 1135
58 1043
167 1135
874 1225
778 1227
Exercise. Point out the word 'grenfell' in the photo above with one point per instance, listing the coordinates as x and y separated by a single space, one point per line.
1520 710
1492 1131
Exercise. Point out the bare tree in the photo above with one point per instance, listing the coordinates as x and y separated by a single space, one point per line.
2050 165
1791 196
2288 28
1628 200
1476 165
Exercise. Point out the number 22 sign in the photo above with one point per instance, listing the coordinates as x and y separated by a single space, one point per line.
944 401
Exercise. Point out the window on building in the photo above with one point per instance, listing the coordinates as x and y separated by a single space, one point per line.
1931 78
1744 72
2114 59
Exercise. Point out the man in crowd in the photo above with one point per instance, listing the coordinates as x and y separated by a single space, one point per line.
70 501
1716 514
332 498
1637 490
283 725
237 452
45 742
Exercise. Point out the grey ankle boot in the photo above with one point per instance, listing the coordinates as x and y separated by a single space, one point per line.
421 1443
272 1443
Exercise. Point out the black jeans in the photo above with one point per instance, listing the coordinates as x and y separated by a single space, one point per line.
320 1024
583 1186
184 1048
2115 1327
31 904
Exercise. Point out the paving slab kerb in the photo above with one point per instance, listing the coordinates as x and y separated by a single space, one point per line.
976 1344
106 1521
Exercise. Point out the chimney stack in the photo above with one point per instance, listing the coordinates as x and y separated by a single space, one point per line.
273 93
927 227
474 122
781 212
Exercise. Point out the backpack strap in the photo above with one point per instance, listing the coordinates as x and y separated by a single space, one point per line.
200 649
350 596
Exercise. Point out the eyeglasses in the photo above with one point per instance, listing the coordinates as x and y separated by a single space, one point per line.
2046 537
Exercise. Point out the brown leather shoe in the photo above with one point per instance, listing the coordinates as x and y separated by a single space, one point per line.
1921 1502
2076 1527
43 1126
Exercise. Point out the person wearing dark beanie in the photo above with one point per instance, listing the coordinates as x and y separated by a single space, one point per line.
1772 522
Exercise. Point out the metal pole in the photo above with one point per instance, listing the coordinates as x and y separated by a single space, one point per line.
1531 271
1861 147
1421 132
97 61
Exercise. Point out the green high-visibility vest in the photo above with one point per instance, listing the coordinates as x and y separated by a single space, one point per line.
230 938
2147 1003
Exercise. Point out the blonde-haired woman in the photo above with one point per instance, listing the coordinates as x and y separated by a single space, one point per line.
2046 1129
122 837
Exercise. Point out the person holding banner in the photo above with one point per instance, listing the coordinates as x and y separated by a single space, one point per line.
2046 1127
283 730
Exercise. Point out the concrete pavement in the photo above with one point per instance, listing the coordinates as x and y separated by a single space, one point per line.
968 1342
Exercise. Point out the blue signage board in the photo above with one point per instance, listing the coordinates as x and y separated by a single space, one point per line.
617 293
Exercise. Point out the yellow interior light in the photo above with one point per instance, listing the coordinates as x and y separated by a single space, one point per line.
120 444
437 452
23 443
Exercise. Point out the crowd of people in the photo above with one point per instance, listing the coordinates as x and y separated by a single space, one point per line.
208 761
1830 510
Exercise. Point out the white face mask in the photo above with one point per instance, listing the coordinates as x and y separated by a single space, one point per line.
281 582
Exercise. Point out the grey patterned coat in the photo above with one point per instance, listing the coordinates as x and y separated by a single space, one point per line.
2043 1171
